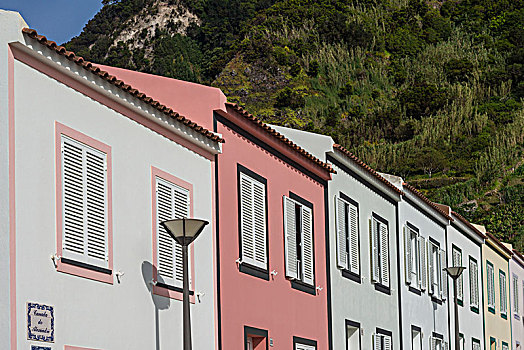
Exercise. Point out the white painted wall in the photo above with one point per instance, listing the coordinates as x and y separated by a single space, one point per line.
420 310
11 24
88 313
361 302
517 318
470 322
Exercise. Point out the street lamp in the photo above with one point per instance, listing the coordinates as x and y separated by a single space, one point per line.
454 272
184 231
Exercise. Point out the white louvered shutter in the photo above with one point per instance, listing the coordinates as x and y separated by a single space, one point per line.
476 346
515 294
299 346
432 343
457 261
490 286
253 221
353 239
375 267
473 284
341 225
377 342
387 342
84 193
384 254
407 254
503 294
290 238
423 264
307 246
431 269
172 203
446 347
443 275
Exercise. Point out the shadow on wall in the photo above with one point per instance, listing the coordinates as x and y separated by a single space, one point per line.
161 303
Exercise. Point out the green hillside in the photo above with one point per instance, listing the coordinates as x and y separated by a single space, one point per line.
428 90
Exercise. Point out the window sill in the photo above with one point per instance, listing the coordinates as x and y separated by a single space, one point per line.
491 309
84 270
414 290
504 316
516 316
383 289
172 292
436 300
460 302
303 287
254 271
351 275
474 309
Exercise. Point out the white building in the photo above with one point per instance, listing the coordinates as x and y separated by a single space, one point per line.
363 239
464 248
516 272
88 168
423 287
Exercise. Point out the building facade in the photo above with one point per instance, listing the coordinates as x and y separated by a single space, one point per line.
495 281
464 248
424 283
93 168
516 272
362 249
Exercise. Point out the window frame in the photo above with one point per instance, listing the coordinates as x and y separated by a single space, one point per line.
163 289
460 282
477 342
516 300
474 306
346 272
356 325
304 341
503 301
257 332
383 333
419 330
72 266
244 266
413 234
379 285
492 306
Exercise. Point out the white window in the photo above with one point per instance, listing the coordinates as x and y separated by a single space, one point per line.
503 295
253 232
348 252
412 254
378 230
457 261
416 339
437 344
298 231
382 342
352 336
437 275
515 295
172 202
473 283
490 272
475 344
85 203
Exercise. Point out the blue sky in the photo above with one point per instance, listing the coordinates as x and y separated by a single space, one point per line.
58 20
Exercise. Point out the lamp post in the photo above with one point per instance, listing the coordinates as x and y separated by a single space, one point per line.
455 272
184 231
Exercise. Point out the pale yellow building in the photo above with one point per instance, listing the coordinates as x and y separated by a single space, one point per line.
495 280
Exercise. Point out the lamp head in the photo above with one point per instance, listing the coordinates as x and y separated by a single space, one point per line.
184 230
455 271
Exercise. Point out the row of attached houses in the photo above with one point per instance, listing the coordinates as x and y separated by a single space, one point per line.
308 247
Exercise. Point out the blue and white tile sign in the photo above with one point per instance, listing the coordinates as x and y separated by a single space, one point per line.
40 322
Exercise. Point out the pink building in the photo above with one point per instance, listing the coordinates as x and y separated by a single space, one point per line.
271 230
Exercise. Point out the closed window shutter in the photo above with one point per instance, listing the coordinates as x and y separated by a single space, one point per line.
307 245
172 203
444 275
384 254
491 286
377 342
423 264
353 244
431 270
407 254
503 297
387 342
515 294
432 343
84 193
457 261
341 226
373 233
472 283
253 221
290 238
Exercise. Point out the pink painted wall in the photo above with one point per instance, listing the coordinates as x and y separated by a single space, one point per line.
191 100
250 301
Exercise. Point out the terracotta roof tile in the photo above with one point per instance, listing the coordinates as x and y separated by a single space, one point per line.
272 132
367 168
120 84
468 224
426 200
